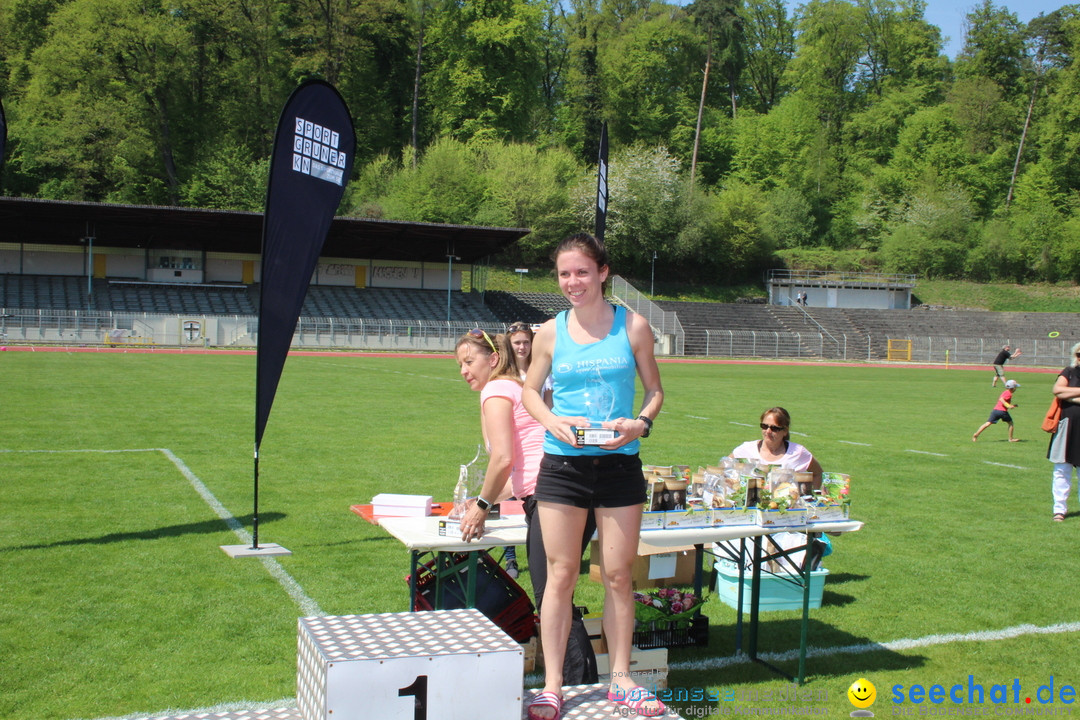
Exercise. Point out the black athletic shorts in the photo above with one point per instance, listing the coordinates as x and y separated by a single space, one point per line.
591 481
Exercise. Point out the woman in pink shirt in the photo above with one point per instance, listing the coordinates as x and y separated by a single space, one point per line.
513 438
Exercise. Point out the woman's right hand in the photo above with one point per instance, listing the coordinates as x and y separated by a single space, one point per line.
472 524
563 427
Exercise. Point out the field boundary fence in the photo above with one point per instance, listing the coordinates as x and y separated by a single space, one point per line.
93 328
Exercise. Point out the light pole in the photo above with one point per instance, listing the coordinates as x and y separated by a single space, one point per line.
449 281
521 272
89 240
652 283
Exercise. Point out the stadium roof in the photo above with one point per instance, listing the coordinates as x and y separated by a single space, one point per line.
56 222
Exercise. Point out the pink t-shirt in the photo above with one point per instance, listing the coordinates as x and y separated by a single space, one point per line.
796 458
528 437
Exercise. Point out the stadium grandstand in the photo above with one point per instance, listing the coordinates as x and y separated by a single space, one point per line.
108 274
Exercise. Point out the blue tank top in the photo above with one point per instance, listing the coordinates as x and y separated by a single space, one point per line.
594 381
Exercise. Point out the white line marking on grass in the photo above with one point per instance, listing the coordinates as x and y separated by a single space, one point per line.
851 442
893 646
455 379
697 417
926 452
1014 467
56 452
308 606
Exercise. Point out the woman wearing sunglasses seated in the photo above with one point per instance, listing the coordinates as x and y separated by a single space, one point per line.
775 446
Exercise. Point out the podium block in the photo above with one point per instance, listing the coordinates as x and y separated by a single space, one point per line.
436 665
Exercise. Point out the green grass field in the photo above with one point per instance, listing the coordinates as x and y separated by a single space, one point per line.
115 599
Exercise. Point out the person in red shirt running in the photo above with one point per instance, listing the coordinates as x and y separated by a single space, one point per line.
1001 411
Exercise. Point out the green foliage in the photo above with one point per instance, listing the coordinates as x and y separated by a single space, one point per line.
650 76
788 219
474 45
829 259
647 193
479 183
443 188
998 255
1065 251
775 150
529 187
993 46
727 228
934 238
769 35
837 116
228 179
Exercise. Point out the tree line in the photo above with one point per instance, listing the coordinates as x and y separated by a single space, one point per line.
743 134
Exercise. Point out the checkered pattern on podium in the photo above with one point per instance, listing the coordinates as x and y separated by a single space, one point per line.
385 665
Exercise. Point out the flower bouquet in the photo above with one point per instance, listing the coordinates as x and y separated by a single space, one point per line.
665 605
668 617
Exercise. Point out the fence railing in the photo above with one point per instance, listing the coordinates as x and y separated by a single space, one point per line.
60 327
777 345
817 277
1037 352
664 323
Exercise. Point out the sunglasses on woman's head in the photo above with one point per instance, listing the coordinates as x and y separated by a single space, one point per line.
478 333
774 428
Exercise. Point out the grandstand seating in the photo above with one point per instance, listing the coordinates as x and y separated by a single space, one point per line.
42 292
530 307
866 327
394 304
174 298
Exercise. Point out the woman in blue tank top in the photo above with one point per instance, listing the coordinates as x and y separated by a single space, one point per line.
593 352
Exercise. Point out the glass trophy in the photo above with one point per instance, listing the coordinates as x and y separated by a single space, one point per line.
599 406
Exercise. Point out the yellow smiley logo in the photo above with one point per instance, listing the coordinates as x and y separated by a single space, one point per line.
862 693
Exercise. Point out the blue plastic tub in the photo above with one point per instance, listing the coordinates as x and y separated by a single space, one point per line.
778 592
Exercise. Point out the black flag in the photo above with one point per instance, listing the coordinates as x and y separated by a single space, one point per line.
601 186
3 135
311 163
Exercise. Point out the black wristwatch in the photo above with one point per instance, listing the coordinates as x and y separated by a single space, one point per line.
648 425
482 503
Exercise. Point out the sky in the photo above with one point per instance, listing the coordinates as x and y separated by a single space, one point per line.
949 16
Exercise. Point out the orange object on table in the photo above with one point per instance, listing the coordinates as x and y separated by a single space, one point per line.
506 507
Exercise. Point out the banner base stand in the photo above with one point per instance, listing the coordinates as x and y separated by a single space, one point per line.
265 550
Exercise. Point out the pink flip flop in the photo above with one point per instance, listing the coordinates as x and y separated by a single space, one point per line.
635 698
546 699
